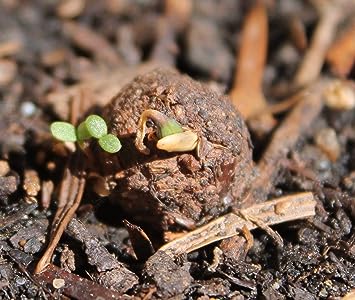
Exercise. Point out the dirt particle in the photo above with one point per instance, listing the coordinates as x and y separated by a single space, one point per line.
4 167
70 8
326 139
8 71
31 183
340 95
58 283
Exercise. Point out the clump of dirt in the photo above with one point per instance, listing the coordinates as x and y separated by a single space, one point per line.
168 189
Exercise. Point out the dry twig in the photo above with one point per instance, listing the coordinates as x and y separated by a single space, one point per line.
270 212
72 191
246 93
286 136
111 271
330 16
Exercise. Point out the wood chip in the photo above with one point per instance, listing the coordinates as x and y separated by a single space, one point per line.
79 287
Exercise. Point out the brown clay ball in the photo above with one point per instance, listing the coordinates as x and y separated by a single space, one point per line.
174 190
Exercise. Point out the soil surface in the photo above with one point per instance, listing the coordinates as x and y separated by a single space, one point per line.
63 60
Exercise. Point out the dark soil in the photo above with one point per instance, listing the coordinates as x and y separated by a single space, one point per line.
61 60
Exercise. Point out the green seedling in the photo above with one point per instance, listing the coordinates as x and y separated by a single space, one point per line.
93 127
63 131
110 143
172 136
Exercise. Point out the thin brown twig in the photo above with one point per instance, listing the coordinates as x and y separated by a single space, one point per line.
330 16
270 212
246 94
285 138
67 215
262 225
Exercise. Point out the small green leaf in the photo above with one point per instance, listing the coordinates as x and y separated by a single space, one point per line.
170 127
63 131
96 126
82 132
110 143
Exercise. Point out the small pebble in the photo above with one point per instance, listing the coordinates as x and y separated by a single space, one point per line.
20 280
32 184
323 293
27 109
349 182
32 245
8 71
58 283
326 139
70 8
10 47
340 95
4 167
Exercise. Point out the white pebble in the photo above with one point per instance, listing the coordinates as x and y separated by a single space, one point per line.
340 95
27 109
58 283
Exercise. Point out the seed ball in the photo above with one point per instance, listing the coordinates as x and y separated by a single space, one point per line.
169 190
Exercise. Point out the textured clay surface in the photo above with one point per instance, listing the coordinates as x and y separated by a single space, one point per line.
169 189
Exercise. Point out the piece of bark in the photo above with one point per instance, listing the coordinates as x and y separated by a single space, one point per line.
23 210
31 239
113 274
8 185
141 243
171 280
76 287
